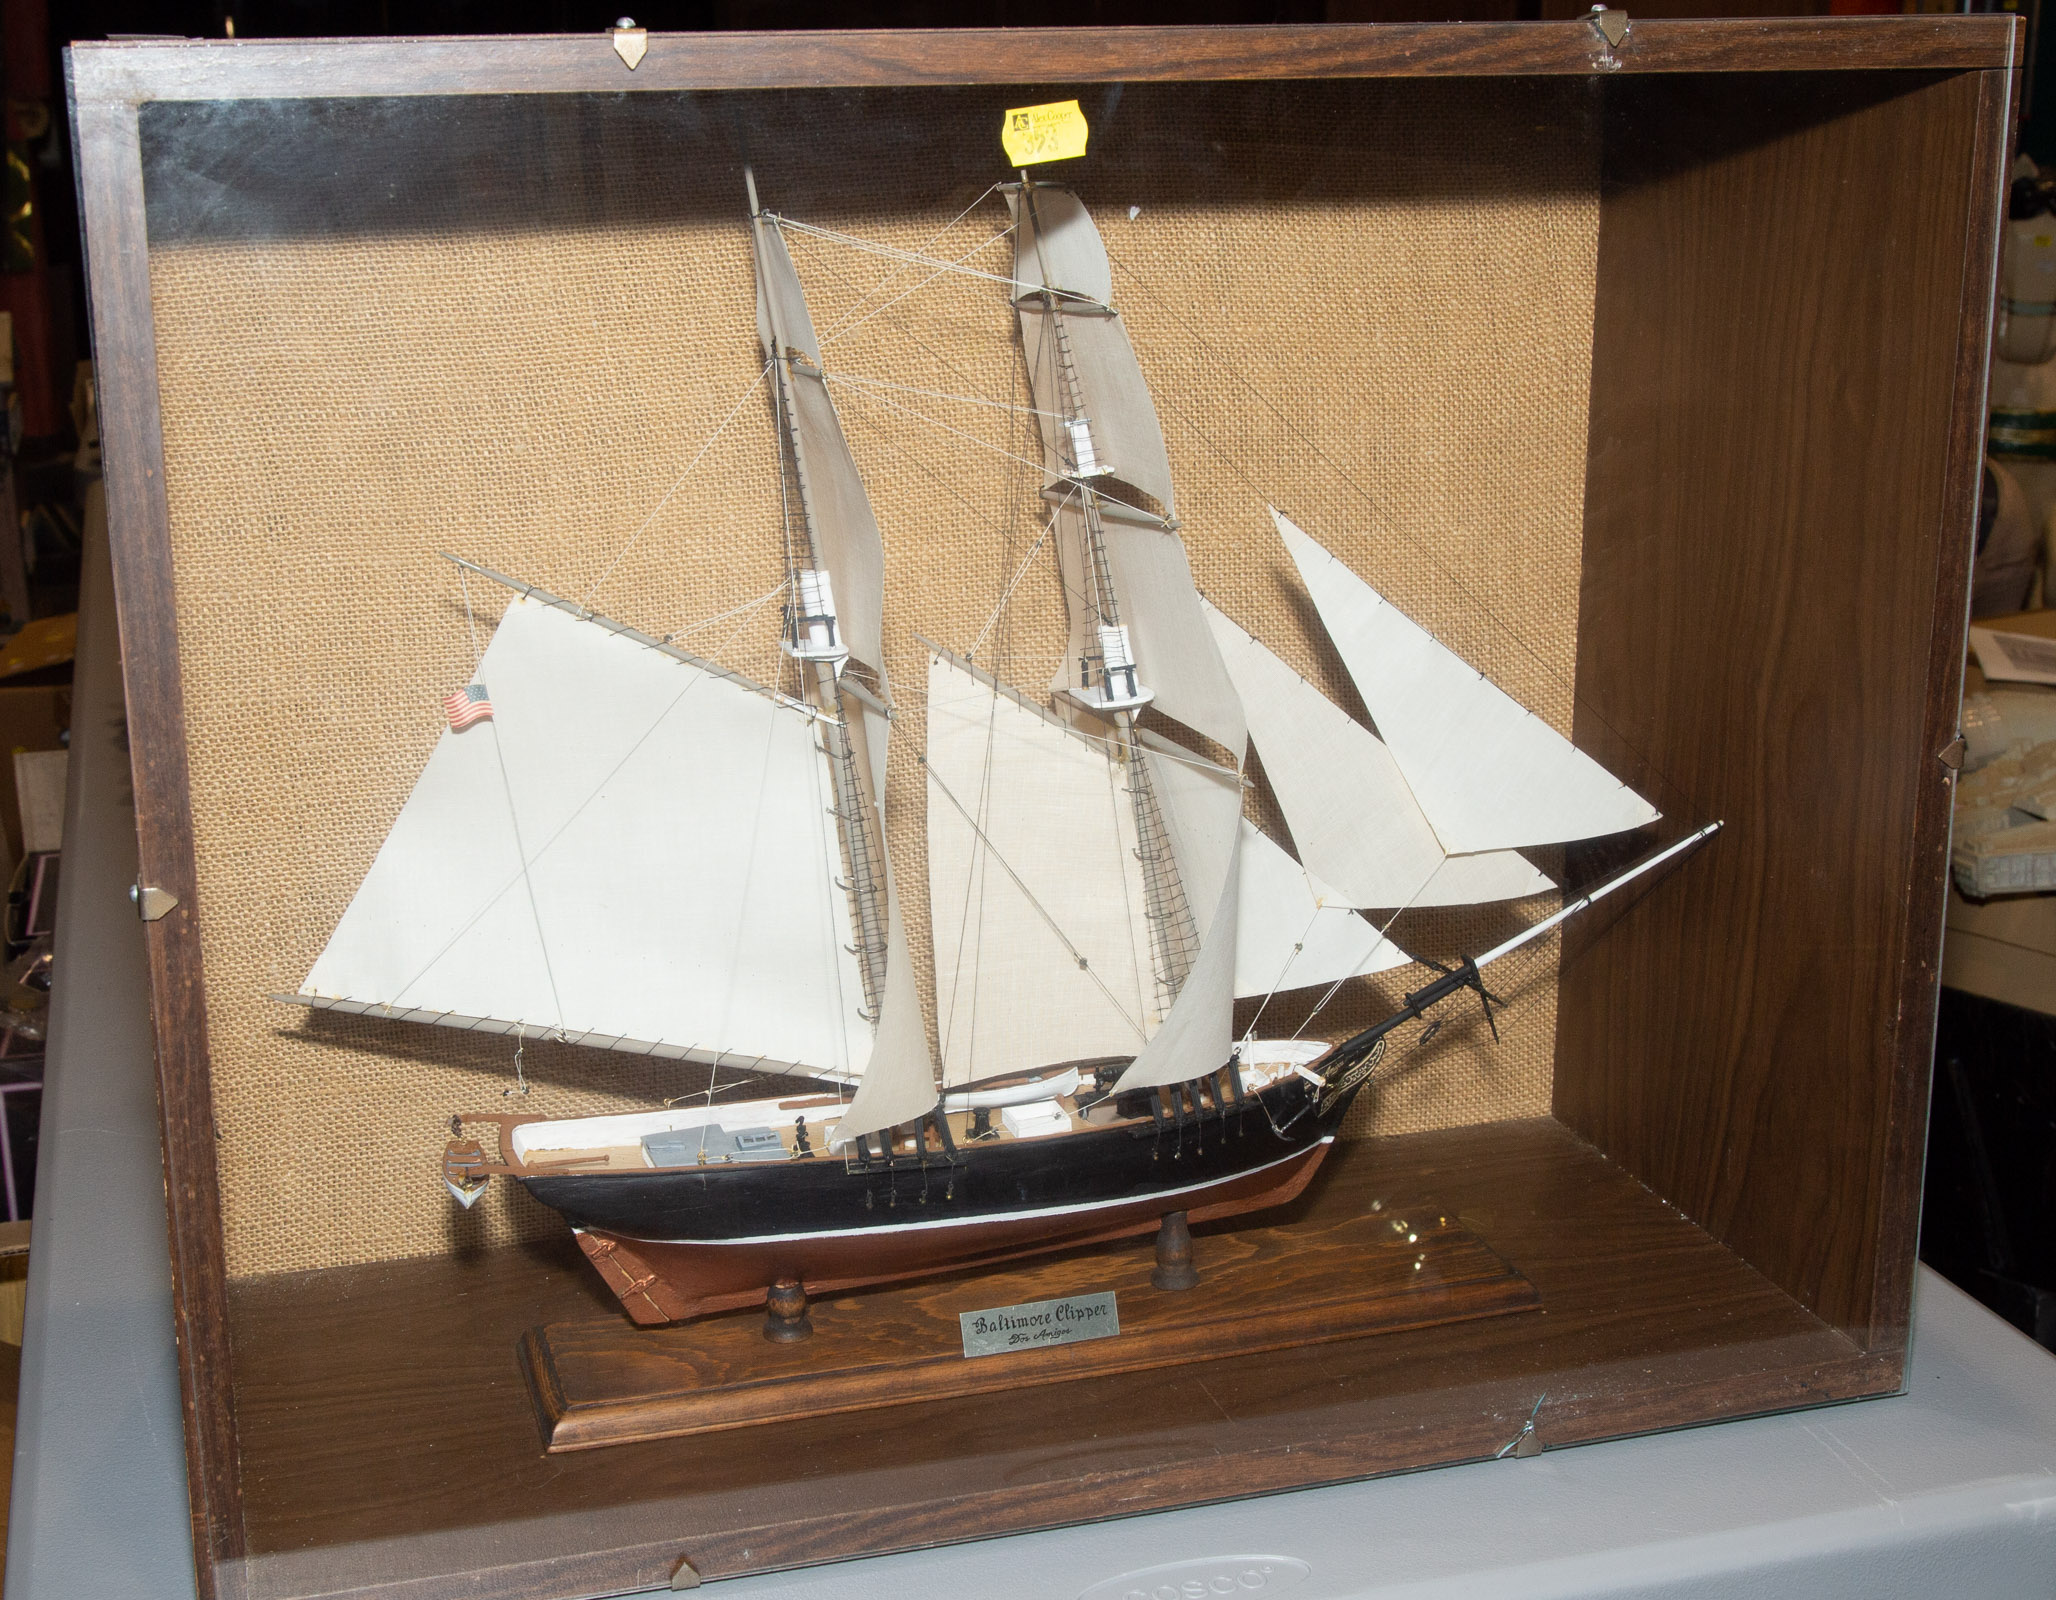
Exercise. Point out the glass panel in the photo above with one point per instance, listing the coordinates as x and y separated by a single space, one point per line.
1400 447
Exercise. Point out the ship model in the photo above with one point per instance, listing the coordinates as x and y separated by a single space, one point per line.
620 845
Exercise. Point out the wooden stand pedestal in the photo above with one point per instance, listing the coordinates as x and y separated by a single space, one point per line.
602 1382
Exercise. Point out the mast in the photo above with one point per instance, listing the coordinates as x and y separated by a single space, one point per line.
835 617
1119 694
813 635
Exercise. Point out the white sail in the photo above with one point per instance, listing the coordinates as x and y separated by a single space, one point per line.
1291 933
1353 817
1202 809
1058 244
838 511
1489 774
673 889
1199 1034
899 1078
1167 625
1123 435
1091 373
1041 945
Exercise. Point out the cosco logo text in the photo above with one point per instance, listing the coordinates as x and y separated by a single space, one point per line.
1221 1578
1248 1580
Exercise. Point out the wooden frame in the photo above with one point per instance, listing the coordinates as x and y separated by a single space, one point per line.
1832 1225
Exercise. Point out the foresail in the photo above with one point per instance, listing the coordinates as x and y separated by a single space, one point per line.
838 510
1489 774
1092 368
1125 439
1059 246
1168 627
1036 893
635 851
1291 934
1202 807
1353 817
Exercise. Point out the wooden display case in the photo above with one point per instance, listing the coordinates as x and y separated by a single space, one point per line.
1769 275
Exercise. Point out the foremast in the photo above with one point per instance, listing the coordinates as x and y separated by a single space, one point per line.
1108 680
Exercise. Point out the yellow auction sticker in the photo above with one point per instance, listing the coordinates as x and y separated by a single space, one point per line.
1034 134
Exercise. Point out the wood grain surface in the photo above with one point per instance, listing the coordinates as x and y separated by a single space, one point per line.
390 1445
604 1381
132 445
213 69
1785 429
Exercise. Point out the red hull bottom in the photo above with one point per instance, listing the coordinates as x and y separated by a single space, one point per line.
662 1282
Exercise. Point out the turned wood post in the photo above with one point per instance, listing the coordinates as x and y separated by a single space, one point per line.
785 1313
1174 1268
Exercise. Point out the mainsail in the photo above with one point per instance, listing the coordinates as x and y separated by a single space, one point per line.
634 852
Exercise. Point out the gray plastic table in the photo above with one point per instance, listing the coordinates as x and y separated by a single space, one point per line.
1947 1490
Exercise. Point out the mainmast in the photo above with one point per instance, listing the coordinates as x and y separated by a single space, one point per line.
1109 657
835 622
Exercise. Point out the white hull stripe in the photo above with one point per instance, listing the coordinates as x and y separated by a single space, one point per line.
983 1218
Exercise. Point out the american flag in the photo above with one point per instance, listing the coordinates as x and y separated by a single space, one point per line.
468 705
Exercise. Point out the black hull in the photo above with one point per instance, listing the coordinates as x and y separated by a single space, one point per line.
1065 1177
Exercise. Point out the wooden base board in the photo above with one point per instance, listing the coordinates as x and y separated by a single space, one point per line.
602 1382
388 1451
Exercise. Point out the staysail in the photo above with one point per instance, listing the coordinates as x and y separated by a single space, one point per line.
1488 773
534 880
1291 933
1354 819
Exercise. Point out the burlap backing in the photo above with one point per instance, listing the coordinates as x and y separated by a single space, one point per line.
505 328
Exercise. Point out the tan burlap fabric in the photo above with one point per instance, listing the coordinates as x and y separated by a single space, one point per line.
505 330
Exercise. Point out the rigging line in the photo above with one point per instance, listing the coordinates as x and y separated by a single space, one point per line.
1007 593
477 654
1484 608
970 438
521 854
723 616
880 310
938 394
1278 982
881 432
928 244
676 485
1084 966
1384 936
892 253
544 848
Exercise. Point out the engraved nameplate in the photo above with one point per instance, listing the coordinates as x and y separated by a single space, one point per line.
1039 1323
